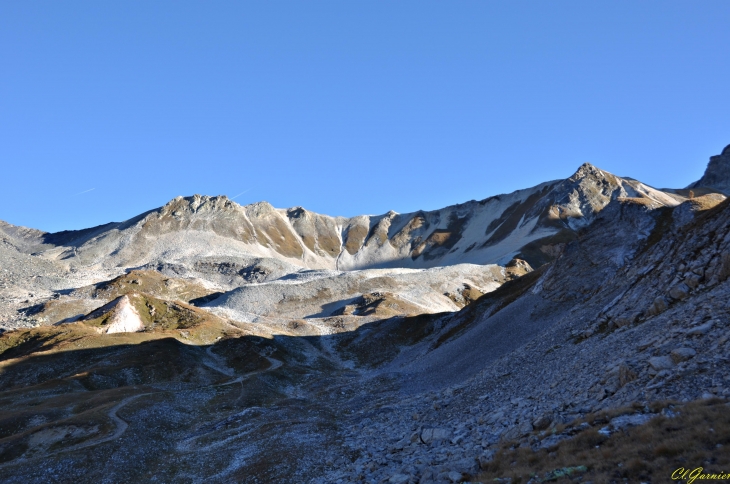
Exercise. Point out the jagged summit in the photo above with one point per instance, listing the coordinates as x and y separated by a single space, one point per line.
587 169
717 174
203 203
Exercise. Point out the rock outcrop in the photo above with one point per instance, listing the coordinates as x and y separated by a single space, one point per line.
118 316
717 174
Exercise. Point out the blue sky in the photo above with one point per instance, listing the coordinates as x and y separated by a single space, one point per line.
348 107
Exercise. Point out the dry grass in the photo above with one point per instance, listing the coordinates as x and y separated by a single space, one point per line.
355 238
441 240
645 202
698 436
706 202
511 217
279 237
697 191
150 282
164 317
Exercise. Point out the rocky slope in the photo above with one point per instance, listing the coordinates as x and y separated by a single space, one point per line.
197 342
592 332
327 293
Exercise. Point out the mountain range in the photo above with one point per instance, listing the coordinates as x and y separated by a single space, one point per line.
205 341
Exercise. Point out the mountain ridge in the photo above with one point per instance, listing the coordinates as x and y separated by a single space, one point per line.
492 230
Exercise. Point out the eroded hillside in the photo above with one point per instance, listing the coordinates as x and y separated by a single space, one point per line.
209 342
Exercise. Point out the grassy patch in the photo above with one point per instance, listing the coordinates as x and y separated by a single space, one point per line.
510 218
355 237
144 281
698 435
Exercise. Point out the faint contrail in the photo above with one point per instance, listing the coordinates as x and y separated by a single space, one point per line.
85 191
233 198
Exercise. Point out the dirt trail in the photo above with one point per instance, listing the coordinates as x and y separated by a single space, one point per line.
217 364
183 444
122 425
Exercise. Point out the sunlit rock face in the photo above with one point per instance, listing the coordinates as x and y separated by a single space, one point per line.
527 224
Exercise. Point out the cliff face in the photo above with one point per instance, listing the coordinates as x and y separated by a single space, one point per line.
717 174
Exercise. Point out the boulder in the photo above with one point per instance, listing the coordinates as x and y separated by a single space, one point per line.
520 430
625 374
679 291
429 435
468 465
626 319
701 329
542 422
494 417
399 479
661 363
724 269
682 354
692 280
454 476
659 305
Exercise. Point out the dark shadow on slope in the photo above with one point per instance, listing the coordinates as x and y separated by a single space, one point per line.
147 403
200 301
74 238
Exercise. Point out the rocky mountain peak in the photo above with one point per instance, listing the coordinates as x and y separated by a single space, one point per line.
259 209
587 170
717 174
197 203
297 212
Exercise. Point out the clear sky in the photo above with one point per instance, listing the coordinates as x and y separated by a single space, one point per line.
109 109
